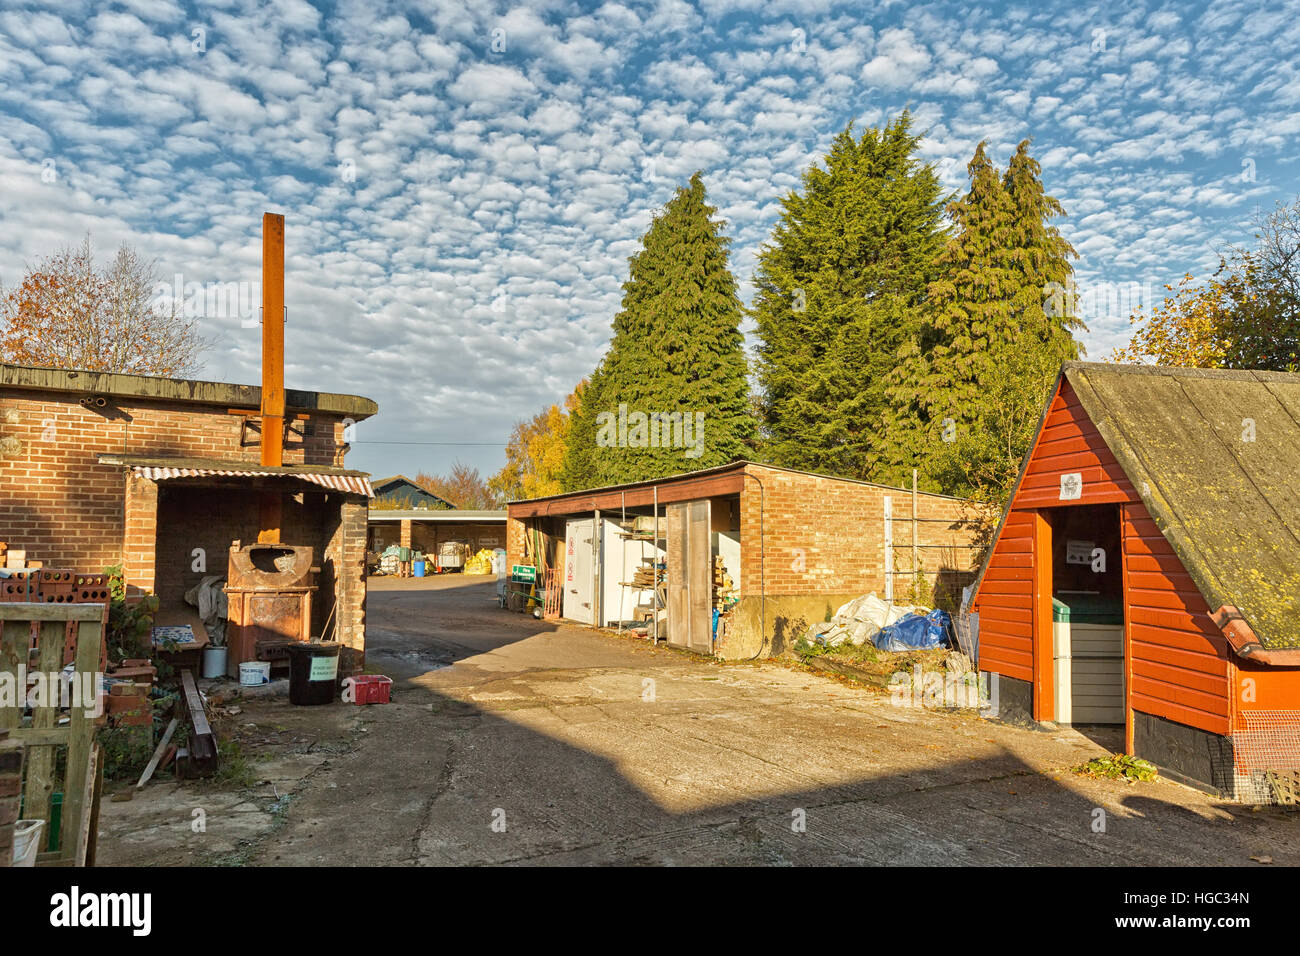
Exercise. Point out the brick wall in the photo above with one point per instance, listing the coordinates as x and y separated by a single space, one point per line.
65 508
823 535
347 549
208 518
515 530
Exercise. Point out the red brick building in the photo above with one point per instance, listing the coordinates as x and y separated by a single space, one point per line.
162 476
796 545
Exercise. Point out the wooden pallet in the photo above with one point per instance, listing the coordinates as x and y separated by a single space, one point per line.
1285 785
45 736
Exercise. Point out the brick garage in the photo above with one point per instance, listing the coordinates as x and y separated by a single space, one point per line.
807 543
75 446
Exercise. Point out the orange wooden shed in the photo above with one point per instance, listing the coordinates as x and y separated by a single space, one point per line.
1146 572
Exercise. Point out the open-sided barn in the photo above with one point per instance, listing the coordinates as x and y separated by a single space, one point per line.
1147 571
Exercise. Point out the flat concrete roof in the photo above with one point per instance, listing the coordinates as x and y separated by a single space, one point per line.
191 391
447 515
705 483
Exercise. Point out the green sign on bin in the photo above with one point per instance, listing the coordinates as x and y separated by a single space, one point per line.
523 573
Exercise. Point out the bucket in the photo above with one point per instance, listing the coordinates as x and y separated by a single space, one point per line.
27 833
419 568
252 673
214 661
313 672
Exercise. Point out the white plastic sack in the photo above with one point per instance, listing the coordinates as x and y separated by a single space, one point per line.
858 621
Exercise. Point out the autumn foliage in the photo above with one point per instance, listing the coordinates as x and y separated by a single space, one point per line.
535 453
1247 316
462 487
66 313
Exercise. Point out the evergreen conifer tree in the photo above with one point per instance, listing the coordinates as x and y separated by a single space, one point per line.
838 293
672 393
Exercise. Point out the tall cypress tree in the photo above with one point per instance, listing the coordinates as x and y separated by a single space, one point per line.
998 325
672 393
838 290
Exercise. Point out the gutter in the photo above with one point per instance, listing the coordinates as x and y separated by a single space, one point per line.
1242 639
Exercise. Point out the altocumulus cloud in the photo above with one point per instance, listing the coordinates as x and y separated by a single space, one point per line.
463 181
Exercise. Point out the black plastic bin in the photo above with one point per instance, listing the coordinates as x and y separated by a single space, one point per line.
313 672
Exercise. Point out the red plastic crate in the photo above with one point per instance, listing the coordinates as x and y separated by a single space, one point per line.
371 689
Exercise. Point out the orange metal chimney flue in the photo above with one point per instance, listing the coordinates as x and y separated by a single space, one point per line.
272 339
272 367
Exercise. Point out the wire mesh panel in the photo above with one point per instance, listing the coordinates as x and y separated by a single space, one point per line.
1266 757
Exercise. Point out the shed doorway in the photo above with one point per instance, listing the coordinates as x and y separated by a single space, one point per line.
1087 629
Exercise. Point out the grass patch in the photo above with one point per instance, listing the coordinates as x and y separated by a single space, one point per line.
234 768
126 751
865 654
1118 767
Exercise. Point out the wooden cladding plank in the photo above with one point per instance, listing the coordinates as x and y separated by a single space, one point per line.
1007 662
678 584
1169 600
1141 561
700 575
1177 695
1179 582
998 573
1202 720
1194 671
670 490
1007 614
1179 624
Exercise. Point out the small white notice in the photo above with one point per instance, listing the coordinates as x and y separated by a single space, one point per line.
323 668
1071 486
1078 552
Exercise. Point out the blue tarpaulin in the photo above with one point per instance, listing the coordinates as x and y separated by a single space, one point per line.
915 632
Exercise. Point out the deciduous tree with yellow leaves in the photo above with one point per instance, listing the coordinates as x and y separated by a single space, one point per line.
535 453
1247 316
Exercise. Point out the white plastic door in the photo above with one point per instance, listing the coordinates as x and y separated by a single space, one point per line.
579 570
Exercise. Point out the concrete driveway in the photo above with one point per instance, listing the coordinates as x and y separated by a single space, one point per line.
515 741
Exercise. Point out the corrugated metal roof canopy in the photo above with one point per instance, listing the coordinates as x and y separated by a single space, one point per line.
1215 456
163 469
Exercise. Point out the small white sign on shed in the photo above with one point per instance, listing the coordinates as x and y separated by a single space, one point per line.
1078 552
1071 486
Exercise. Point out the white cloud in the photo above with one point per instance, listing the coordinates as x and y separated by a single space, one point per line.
524 175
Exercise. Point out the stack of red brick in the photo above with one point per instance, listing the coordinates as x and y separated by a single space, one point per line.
128 703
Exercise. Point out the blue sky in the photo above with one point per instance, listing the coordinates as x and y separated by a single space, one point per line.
462 182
